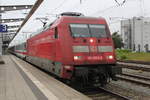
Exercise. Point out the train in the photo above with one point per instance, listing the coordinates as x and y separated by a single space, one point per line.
74 48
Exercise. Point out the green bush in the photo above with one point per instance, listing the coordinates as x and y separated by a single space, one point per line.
122 54
123 50
123 57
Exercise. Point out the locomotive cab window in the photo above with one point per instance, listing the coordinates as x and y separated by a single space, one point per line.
79 30
88 30
97 30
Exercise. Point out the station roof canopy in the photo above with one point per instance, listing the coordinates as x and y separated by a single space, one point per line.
14 7
11 20
13 26
34 8
5 8
9 31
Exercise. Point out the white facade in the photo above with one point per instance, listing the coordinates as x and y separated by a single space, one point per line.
136 34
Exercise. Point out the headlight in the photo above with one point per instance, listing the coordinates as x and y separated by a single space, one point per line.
110 57
91 40
77 57
67 67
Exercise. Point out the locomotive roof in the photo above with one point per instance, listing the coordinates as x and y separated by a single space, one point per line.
82 17
69 18
61 18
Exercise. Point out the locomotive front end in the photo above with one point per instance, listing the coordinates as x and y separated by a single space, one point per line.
94 55
90 55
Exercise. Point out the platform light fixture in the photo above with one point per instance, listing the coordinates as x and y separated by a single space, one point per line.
2 8
14 7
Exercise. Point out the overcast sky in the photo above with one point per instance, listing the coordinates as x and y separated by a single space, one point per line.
105 8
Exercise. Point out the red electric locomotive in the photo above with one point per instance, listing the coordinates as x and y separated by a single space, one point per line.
74 47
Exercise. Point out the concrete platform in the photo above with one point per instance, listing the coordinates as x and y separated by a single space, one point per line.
21 81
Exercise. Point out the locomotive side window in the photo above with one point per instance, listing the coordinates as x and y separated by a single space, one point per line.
56 33
80 30
98 30
88 30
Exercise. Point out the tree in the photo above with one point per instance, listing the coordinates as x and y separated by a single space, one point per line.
117 40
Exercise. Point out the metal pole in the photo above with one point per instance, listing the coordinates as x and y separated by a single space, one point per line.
1 36
1 39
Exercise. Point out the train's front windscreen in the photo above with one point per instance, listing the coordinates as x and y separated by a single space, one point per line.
88 30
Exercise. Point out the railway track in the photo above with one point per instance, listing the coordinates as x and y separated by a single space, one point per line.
104 94
134 66
140 80
137 62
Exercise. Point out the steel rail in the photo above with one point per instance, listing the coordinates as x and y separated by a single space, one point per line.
115 94
137 62
133 81
135 67
98 93
136 76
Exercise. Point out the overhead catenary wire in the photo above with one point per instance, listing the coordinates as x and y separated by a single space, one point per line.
52 14
77 5
102 11
120 4
80 1
117 2
60 5
111 7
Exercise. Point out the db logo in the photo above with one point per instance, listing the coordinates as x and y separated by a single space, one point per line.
93 48
95 58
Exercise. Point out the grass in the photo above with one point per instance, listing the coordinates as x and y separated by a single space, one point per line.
128 55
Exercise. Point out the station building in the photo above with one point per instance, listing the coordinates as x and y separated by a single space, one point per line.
136 34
